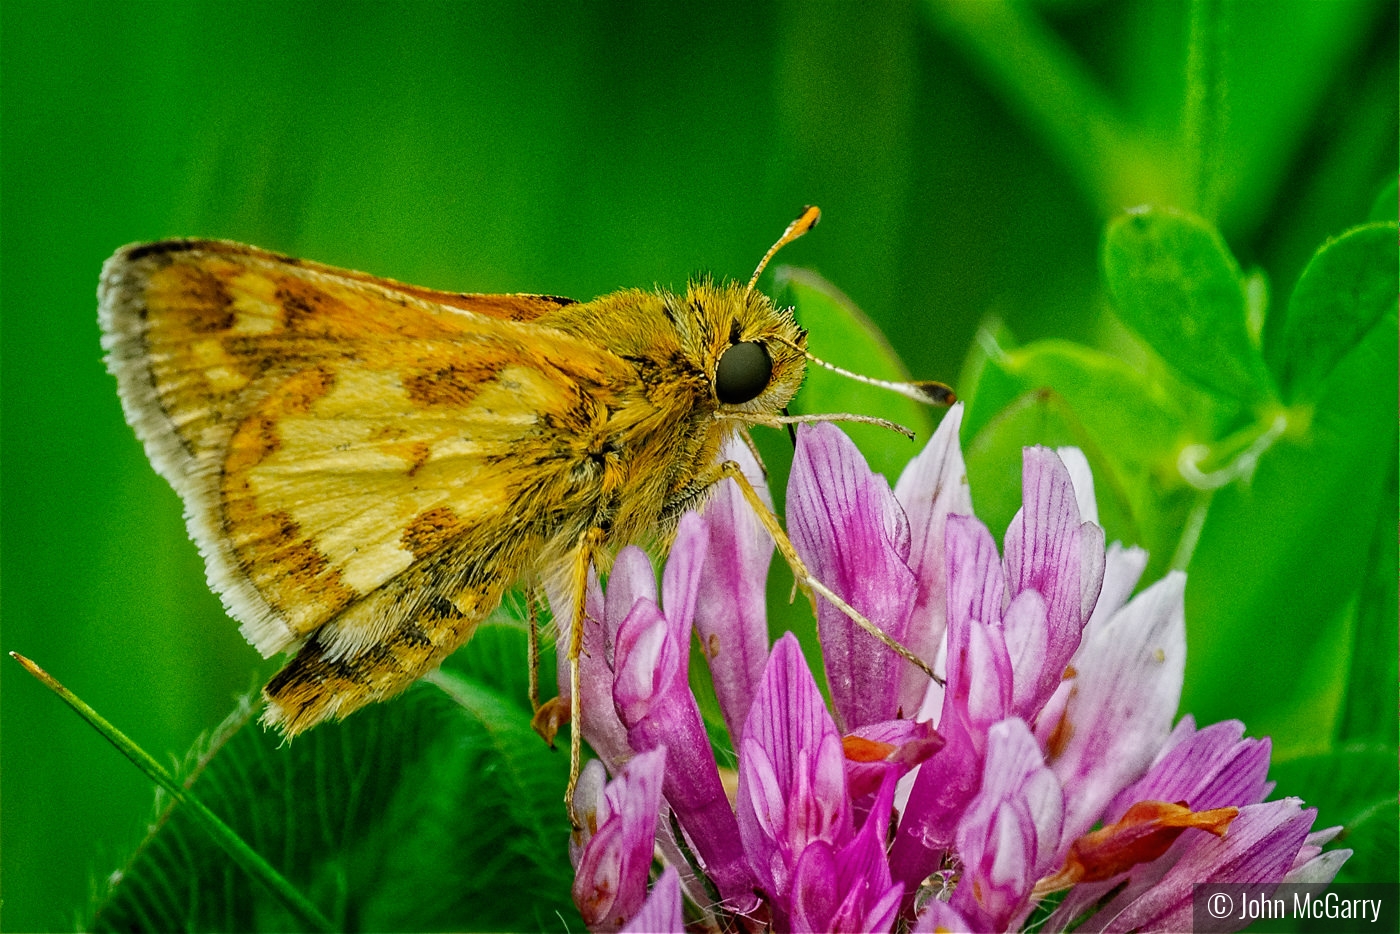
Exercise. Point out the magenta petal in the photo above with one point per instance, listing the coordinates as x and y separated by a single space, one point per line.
852 535
610 882
731 613
942 788
984 687
661 914
979 684
1213 768
1049 550
632 579
912 742
976 586
932 487
654 702
1259 848
940 918
601 727
680 581
792 779
978 694
1010 833
1026 633
848 888
1129 675
648 663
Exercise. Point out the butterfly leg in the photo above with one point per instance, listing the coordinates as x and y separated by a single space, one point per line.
804 577
589 545
532 606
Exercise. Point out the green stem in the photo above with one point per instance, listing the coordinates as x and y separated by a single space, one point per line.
232 844
1044 79
1204 115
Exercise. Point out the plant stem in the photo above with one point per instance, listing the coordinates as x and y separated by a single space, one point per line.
240 852
1044 79
1204 113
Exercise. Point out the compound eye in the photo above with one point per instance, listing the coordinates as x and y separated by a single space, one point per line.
743 372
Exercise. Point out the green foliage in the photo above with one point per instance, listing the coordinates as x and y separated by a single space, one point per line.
839 333
439 810
1057 393
1341 298
1352 787
1174 281
1280 504
968 157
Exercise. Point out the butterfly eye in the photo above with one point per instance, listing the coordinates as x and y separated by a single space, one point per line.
743 372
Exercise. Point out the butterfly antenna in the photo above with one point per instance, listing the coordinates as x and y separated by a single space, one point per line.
928 392
805 222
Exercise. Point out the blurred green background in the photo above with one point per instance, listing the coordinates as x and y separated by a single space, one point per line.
966 157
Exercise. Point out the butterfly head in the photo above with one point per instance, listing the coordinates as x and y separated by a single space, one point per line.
750 350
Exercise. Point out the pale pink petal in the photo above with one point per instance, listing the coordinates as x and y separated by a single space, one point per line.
852 535
654 702
1318 868
662 912
590 806
680 581
932 487
1082 478
1050 550
1213 768
1128 685
1123 569
792 780
731 613
610 884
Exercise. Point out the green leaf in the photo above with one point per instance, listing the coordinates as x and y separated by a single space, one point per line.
440 809
1059 393
1174 281
1372 837
1282 556
216 831
840 333
1356 788
1387 203
1371 706
1348 286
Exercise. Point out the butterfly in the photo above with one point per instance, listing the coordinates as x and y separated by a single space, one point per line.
367 466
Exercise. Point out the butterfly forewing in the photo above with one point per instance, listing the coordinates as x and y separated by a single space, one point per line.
358 462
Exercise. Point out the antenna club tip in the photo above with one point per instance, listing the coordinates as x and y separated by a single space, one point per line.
937 393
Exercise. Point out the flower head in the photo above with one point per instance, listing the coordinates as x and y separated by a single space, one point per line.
958 806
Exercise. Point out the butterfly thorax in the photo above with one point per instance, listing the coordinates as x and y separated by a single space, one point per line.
665 423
